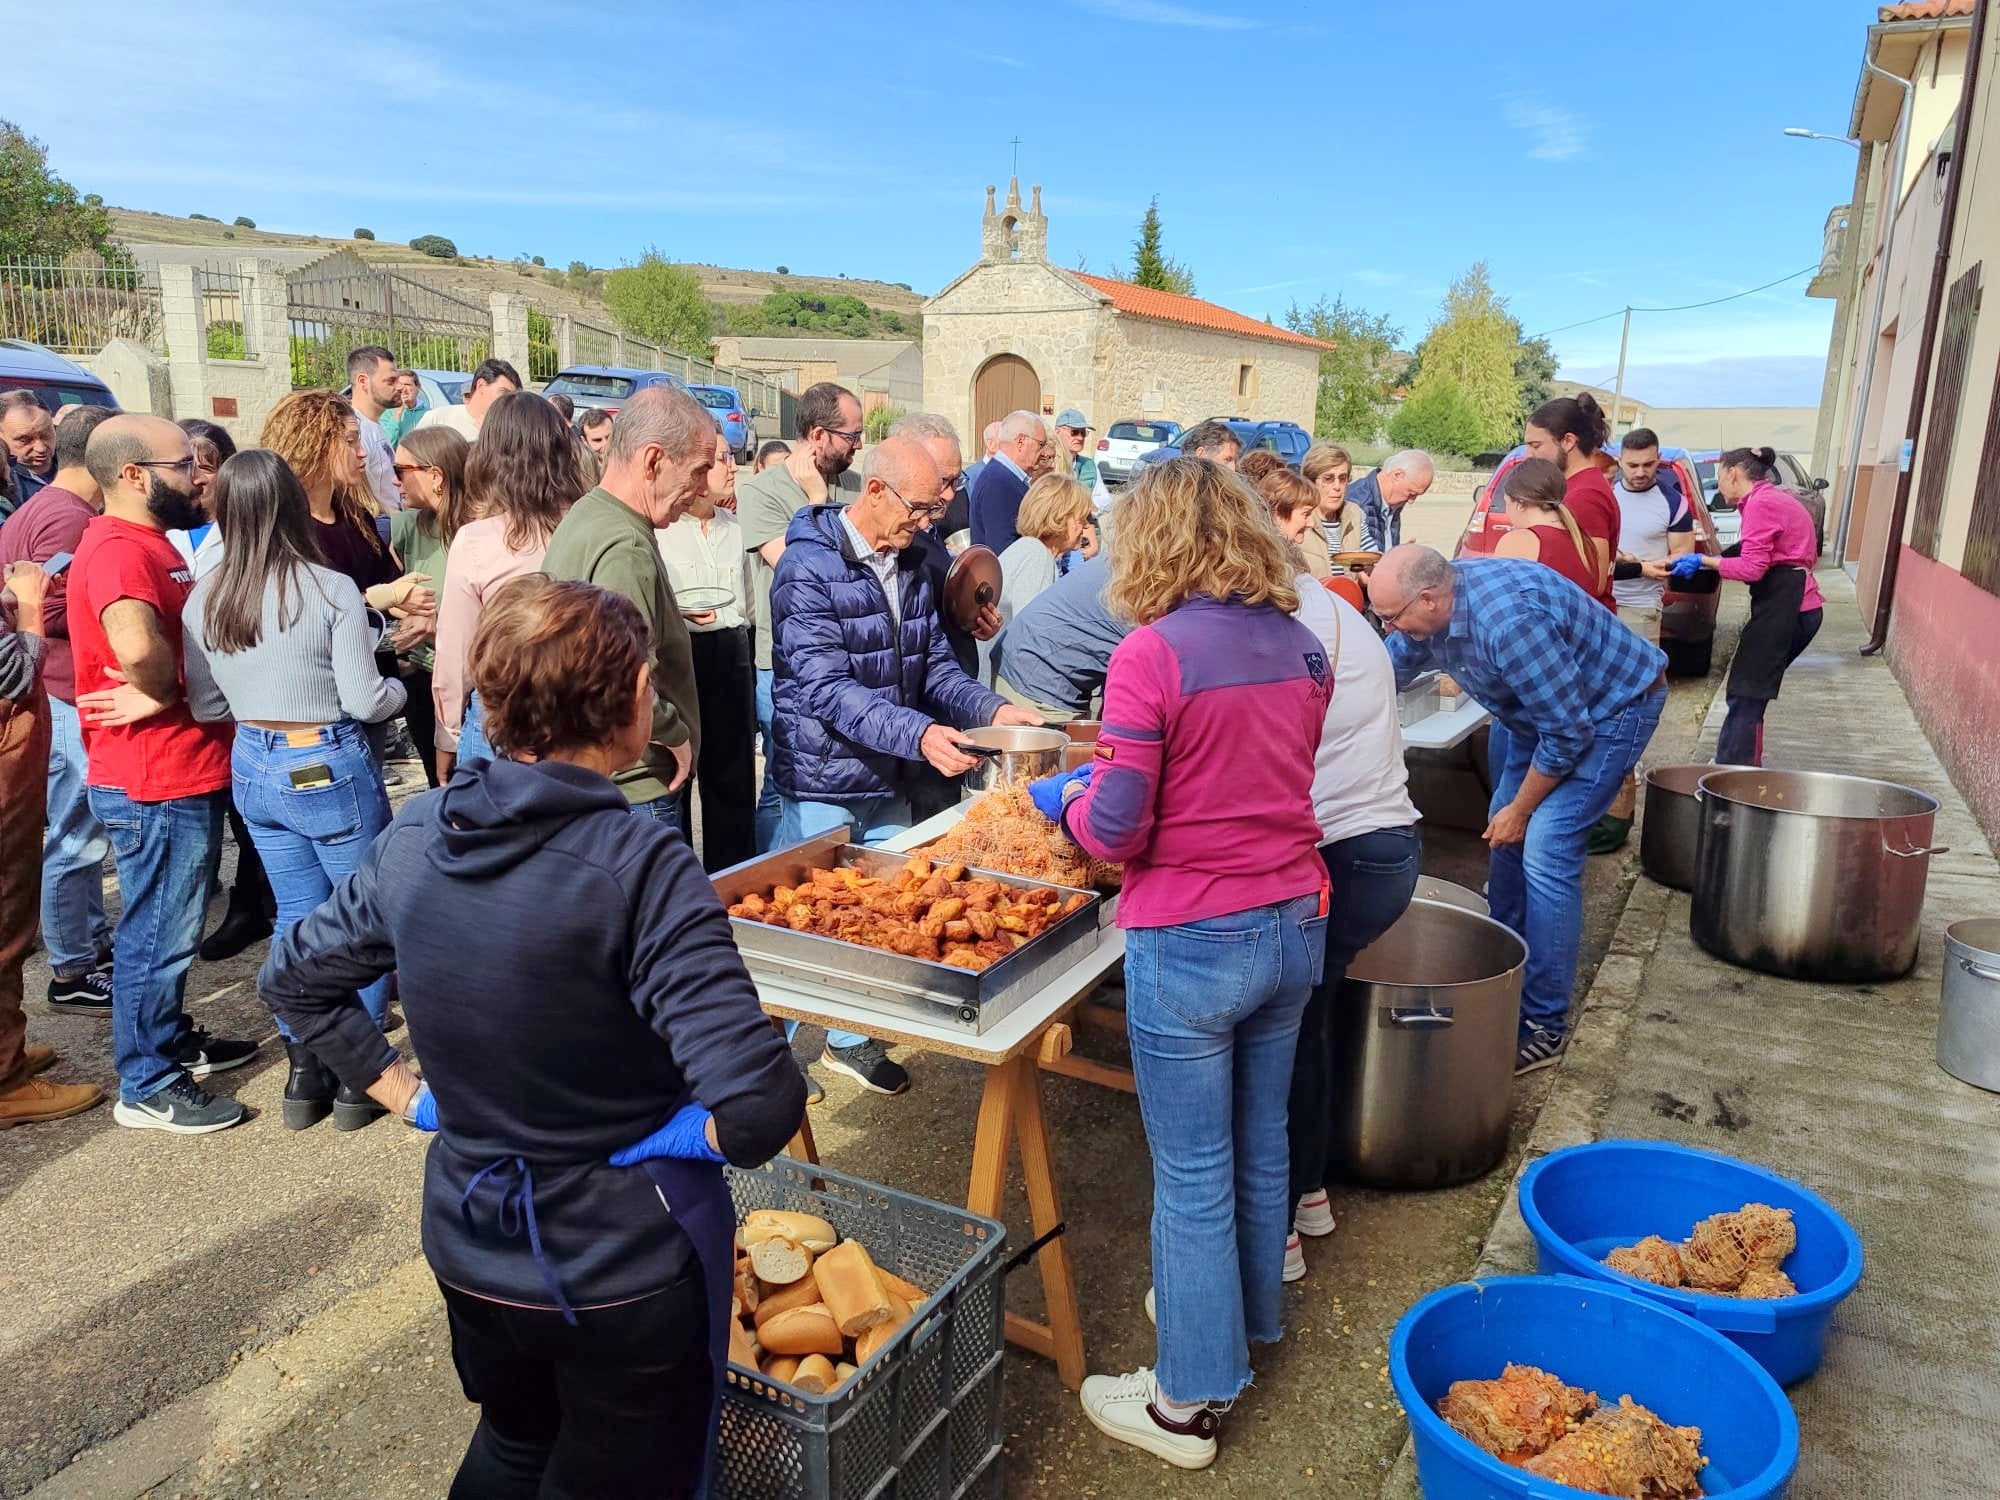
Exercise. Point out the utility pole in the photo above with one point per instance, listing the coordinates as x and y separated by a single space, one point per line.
1618 388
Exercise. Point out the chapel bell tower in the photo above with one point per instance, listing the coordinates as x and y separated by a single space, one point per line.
1014 233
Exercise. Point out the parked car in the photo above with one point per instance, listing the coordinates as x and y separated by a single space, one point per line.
442 387
1286 439
606 387
1791 476
1687 621
1125 443
54 380
739 422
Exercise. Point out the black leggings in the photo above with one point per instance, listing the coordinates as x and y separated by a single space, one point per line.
614 1408
420 713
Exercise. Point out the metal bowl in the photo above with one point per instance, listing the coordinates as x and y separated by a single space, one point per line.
1025 754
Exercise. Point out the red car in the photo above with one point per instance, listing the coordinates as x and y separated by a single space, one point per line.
1687 621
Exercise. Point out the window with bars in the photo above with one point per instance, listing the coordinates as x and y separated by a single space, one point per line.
1941 425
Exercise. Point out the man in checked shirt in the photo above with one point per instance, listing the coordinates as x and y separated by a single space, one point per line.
1580 695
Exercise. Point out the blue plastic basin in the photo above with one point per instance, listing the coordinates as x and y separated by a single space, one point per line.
1605 1339
1583 1202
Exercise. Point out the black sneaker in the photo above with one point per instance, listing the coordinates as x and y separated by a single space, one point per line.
868 1065
87 994
182 1107
1539 1049
202 1054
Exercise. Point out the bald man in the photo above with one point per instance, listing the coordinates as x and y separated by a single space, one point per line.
866 684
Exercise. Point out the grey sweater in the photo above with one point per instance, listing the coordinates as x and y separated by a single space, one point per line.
317 670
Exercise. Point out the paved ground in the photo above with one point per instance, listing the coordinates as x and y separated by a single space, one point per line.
246 1313
1838 1087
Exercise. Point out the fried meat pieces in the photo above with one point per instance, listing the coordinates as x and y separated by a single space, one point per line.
1529 1418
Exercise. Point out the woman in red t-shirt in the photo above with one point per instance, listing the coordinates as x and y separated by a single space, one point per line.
1541 529
1567 432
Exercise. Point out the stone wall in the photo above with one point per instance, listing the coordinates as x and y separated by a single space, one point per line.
1151 368
1017 307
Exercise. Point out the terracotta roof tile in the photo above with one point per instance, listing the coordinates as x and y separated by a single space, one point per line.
1191 312
1924 10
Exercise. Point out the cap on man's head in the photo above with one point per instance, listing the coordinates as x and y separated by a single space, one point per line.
1071 418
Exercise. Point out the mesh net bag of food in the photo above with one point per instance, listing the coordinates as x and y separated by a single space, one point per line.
1005 831
1518 1415
1760 1283
1652 1259
1725 1247
1626 1451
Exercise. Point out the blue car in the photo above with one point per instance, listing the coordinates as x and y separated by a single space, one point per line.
1286 439
738 422
606 387
55 381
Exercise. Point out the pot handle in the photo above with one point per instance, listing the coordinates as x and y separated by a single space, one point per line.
1913 853
1424 1019
1978 973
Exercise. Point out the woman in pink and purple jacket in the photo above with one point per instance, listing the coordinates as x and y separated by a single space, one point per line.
1780 546
1202 789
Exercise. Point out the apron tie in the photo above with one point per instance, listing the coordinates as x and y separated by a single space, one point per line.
516 1208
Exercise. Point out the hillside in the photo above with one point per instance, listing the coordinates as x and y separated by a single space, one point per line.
475 279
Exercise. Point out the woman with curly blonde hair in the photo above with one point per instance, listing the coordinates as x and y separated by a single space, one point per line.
1202 789
315 432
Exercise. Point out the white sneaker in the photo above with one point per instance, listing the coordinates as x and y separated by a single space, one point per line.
1295 1258
1314 1215
1122 1406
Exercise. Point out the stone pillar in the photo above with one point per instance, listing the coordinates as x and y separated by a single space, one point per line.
267 317
565 341
510 330
187 340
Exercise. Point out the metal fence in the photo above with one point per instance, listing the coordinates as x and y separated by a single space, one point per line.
424 328
222 312
593 345
78 309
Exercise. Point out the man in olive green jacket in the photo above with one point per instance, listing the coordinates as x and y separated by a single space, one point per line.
662 447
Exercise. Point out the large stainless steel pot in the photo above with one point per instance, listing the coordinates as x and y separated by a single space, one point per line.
1430 888
1671 828
1968 1039
1810 875
1024 754
1426 1025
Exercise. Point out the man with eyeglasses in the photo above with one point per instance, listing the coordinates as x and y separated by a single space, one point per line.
815 472
996 498
865 683
158 779
1579 695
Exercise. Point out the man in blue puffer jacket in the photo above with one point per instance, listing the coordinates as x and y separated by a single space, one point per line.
865 682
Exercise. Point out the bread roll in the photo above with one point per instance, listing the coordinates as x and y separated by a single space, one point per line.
780 1261
850 1288
748 1290
801 1293
916 1296
874 1338
808 1230
781 1367
814 1375
842 1373
802 1330
742 1348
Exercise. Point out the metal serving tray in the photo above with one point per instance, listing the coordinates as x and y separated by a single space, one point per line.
893 982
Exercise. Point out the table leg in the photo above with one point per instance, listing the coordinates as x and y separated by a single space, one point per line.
801 1146
1045 1212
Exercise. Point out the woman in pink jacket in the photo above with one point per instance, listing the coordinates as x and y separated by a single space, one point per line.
1202 789
1780 546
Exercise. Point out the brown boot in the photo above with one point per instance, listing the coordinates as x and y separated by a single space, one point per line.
37 1099
39 1059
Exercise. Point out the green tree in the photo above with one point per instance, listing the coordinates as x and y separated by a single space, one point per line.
1438 419
1150 266
875 426
40 214
244 221
434 245
1535 368
94 200
364 234
659 301
784 270
1473 343
1356 373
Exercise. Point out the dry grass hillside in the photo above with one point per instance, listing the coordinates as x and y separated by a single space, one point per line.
475 278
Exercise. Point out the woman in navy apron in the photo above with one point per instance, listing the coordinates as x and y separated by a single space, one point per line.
574 994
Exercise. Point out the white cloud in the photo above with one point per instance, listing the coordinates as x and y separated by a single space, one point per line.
1556 134
1164 13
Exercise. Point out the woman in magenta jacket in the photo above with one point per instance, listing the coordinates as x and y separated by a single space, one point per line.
1202 789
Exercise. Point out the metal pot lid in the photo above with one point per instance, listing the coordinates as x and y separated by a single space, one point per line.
972 583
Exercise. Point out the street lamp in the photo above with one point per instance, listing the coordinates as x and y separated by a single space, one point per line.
1799 132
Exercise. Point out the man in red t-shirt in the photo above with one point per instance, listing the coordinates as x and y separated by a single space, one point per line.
158 780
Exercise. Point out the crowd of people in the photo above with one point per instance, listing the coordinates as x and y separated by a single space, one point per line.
580 618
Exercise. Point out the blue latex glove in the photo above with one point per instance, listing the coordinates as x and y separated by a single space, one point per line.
1051 792
1686 566
423 1109
684 1136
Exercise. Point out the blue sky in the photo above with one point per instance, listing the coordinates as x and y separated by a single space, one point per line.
1603 154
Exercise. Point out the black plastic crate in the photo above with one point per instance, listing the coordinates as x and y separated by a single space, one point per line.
896 1428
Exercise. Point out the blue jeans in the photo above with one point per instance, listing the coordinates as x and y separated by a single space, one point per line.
1536 886
769 809
74 926
1212 1008
166 855
472 743
866 822
1372 877
665 810
311 838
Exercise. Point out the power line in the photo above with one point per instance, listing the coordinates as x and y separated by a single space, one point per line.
1685 306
